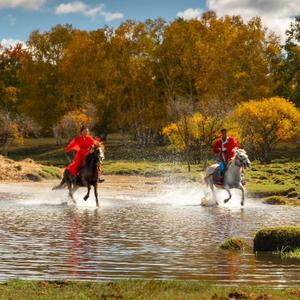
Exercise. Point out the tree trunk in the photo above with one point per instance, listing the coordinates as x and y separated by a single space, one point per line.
188 159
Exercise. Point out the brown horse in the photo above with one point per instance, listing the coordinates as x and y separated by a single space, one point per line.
88 176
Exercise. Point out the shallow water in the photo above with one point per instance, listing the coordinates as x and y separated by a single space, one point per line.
159 234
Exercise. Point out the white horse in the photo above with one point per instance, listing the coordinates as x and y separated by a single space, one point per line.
232 176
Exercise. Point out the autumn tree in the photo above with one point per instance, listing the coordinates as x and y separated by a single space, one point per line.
41 74
290 70
138 101
193 136
237 59
262 124
135 73
10 81
69 125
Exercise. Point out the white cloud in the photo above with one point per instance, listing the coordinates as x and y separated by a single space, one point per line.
6 43
108 16
87 10
25 4
190 13
72 7
275 14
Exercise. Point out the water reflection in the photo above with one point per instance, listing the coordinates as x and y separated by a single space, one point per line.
136 237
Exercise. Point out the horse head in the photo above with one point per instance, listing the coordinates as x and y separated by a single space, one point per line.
97 152
241 158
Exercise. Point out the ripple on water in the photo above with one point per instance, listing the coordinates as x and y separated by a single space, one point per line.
163 235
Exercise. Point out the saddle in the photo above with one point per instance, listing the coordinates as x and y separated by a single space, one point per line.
218 180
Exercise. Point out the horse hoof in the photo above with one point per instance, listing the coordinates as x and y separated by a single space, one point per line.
242 203
85 198
226 200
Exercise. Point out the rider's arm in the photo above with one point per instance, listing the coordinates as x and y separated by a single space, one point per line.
73 145
217 147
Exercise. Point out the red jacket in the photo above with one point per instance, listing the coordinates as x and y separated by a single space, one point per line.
82 146
228 146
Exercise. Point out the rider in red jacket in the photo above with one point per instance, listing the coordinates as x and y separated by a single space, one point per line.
81 145
224 148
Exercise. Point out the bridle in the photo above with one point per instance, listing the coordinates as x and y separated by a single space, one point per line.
239 162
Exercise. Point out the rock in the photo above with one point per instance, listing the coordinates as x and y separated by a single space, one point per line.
28 160
33 177
277 238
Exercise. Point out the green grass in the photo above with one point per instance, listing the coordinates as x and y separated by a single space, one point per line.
48 172
277 178
148 168
293 254
137 290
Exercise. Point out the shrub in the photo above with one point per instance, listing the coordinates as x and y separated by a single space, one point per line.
275 200
235 244
277 238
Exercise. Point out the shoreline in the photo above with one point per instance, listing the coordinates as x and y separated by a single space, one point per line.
132 181
277 179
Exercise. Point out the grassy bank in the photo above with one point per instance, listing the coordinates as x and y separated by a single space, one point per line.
136 289
125 157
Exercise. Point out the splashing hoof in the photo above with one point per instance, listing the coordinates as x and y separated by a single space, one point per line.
226 200
208 202
242 203
85 198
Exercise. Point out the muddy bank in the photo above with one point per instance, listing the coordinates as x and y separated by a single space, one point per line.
26 170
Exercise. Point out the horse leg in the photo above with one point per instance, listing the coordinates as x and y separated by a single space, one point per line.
60 186
70 187
229 193
214 193
211 185
88 193
96 193
62 183
243 193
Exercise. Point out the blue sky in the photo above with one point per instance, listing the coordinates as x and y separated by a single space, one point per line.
17 22
18 18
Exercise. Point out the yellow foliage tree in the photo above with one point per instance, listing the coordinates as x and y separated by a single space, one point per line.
10 132
262 124
70 124
193 135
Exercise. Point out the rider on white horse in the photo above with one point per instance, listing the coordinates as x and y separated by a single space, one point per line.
224 148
